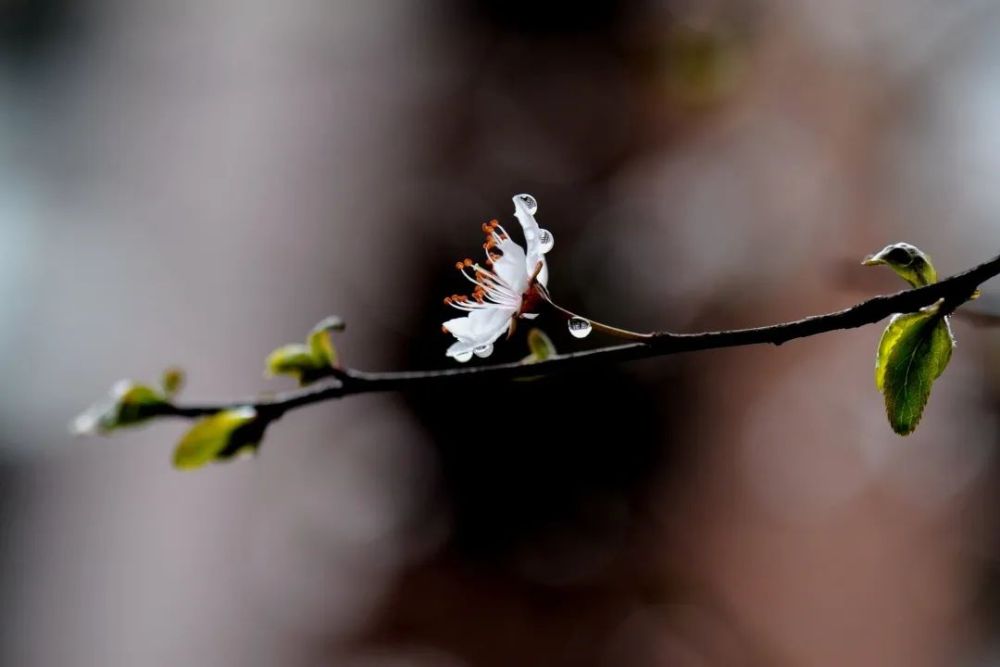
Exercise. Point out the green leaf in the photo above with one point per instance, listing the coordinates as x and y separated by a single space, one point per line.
127 404
321 341
312 361
134 403
541 348
540 345
908 261
914 351
890 337
172 380
217 436
295 359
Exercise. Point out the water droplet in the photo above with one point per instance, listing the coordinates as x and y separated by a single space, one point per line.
484 351
529 203
579 327
462 357
545 240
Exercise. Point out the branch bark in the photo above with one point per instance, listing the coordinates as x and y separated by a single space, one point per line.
955 290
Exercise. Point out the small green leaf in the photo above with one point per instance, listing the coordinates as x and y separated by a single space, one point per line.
540 345
914 351
294 359
321 341
128 404
897 325
134 401
908 261
172 380
217 436
541 348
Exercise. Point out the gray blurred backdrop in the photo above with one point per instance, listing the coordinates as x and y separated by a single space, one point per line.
199 181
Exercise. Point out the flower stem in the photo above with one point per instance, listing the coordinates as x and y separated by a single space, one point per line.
597 326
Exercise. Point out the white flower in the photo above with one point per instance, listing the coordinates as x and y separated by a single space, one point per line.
502 292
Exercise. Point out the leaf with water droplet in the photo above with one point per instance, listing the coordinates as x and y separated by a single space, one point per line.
321 341
222 435
914 350
128 404
579 327
908 262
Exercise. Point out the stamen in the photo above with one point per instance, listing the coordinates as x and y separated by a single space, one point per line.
459 265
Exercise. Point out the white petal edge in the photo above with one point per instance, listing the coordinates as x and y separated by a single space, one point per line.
481 327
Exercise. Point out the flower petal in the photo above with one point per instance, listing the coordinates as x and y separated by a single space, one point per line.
459 327
480 327
510 267
486 321
543 275
532 239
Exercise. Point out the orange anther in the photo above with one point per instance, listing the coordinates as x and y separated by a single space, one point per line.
468 262
459 265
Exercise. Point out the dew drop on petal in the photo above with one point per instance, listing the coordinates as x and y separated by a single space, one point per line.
579 327
545 240
529 203
462 357
484 351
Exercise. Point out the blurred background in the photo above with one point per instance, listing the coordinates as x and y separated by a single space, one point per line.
199 181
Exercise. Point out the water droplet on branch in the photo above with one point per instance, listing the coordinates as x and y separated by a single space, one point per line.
579 327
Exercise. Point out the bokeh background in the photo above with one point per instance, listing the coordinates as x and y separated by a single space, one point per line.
199 181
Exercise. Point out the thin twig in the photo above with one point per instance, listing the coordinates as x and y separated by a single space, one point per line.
345 382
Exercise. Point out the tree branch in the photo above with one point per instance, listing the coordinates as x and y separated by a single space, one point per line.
345 382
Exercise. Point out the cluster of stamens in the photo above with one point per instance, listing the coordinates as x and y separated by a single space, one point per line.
492 238
490 289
